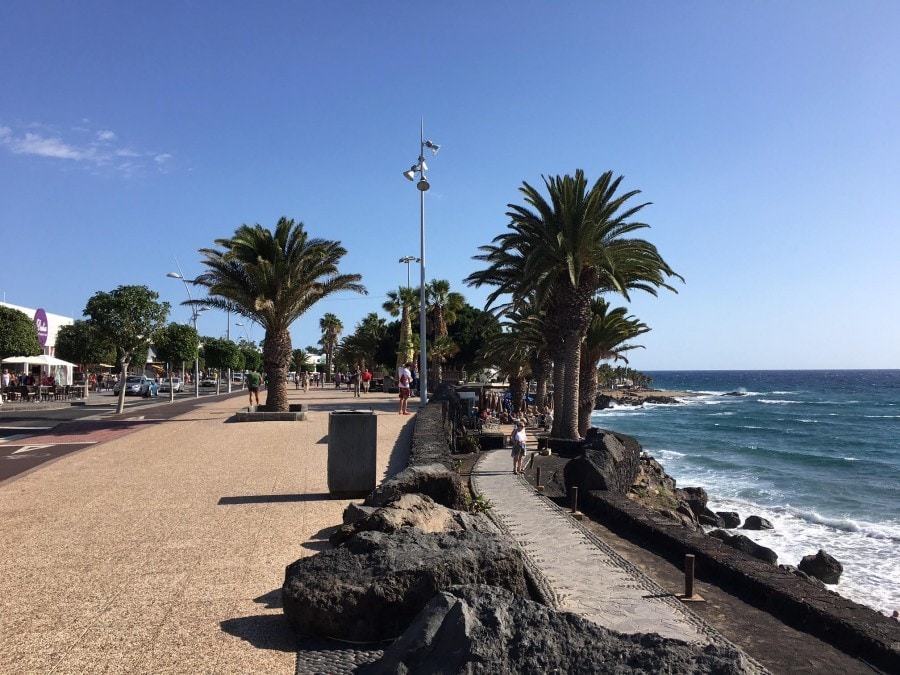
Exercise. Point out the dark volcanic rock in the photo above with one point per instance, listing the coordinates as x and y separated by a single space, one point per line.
730 519
695 497
435 480
355 512
747 545
609 462
757 523
480 629
412 510
370 588
822 566
710 519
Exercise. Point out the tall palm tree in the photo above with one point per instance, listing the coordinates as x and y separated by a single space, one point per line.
606 340
403 303
566 249
273 278
331 330
442 304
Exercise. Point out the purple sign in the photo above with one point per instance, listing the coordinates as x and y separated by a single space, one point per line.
43 328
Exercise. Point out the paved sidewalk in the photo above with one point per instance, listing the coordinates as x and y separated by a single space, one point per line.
163 551
586 576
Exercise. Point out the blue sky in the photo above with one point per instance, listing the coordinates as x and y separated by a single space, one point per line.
765 134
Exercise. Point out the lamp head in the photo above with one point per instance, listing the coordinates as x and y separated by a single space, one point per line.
434 147
411 174
174 275
423 184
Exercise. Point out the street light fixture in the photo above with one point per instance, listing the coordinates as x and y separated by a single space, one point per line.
195 312
409 259
420 168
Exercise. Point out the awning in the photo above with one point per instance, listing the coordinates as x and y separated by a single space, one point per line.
42 360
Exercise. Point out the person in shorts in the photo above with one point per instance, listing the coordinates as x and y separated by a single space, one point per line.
253 381
519 441
404 380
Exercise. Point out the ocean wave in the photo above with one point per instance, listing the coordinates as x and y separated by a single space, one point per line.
777 401
808 421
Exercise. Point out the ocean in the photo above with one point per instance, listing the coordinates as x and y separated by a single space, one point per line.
815 452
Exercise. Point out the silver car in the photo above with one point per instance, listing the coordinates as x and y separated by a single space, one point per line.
177 385
136 385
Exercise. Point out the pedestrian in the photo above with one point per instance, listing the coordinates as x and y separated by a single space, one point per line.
254 379
356 377
366 380
404 380
519 441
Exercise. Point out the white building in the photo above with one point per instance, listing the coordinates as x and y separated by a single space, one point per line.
47 325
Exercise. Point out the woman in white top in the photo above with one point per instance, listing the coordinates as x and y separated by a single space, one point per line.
519 441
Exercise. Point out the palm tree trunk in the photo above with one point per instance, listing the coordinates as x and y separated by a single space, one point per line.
540 369
277 359
569 413
587 394
517 391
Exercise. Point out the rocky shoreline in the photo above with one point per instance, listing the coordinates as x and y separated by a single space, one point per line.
375 589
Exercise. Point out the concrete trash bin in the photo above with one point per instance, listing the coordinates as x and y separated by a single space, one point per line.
352 451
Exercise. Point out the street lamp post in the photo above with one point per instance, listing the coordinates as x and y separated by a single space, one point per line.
409 259
195 312
420 168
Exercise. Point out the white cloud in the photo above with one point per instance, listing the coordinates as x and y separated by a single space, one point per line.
34 144
94 149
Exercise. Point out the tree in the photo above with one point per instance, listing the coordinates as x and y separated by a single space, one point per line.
441 306
402 303
273 278
176 343
222 355
18 336
253 360
331 330
566 249
81 343
126 318
606 339
360 347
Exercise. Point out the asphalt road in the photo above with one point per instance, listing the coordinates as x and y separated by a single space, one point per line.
29 438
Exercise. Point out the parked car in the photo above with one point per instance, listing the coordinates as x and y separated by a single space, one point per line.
137 385
177 385
208 382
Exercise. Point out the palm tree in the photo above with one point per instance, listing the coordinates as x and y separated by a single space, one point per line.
359 348
606 340
566 249
331 330
402 303
509 352
441 306
273 278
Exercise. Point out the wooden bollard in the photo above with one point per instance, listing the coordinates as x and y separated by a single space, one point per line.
689 575
689 595
537 480
575 513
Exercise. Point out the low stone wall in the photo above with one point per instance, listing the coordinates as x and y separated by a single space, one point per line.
855 629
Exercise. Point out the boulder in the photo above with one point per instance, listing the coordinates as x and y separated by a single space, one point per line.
801 575
757 523
746 545
410 510
355 512
695 497
481 629
822 566
710 519
730 519
607 462
370 588
435 480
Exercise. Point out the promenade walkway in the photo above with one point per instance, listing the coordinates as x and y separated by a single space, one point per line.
163 550
586 576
